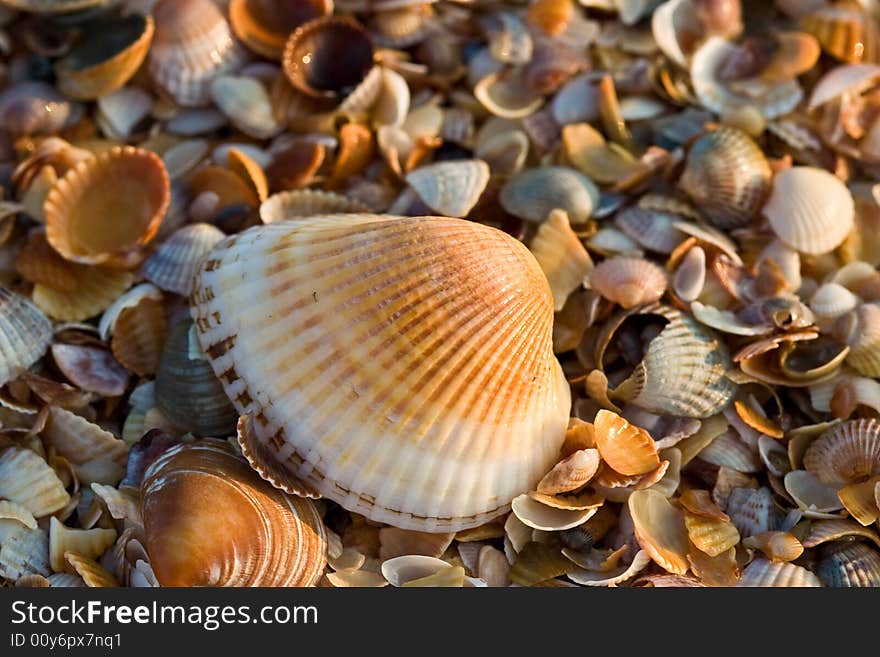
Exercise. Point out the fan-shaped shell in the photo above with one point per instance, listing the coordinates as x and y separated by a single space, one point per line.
727 176
319 348
174 264
629 282
193 44
245 101
25 334
209 520
864 339
810 209
764 573
298 203
450 188
845 31
264 25
104 210
846 453
534 193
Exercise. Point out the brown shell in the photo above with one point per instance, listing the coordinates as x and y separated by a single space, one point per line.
264 25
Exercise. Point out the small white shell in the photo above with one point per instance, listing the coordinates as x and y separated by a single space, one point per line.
451 188
174 264
690 277
121 111
247 105
392 105
832 300
25 333
764 573
546 518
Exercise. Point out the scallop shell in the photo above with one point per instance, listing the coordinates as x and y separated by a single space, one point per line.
139 335
571 473
193 44
628 449
751 510
810 209
246 103
264 25
271 277
532 194
683 371
301 203
850 565
187 392
845 31
450 188
832 300
629 282
651 229
561 256
823 531
864 340
764 573
27 479
727 176
846 453
261 537
174 264
25 334
92 218
108 54
95 454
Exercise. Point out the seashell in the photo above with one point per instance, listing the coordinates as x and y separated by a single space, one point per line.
194 122
823 531
247 105
626 448
90 219
302 203
652 229
676 28
538 515
810 209
264 25
139 335
295 166
586 149
88 543
832 300
263 537
776 546
853 79
247 380
26 333
108 54
509 38
403 27
90 368
410 569
850 565
727 176
570 473
763 573
771 99
505 152
537 563
690 277
561 256
173 265
844 30
450 188
613 577
36 108
394 542
860 501
774 456
660 530
96 289
846 452
809 493
120 113
188 393
193 44
550 16
505 94
629 282
392 105
864 339
729 451
350 577
713 536
24 552
183 157
532 194
850 394
230 188
751 510
12 511
95 454
327 57
89 571
577 101
355 152
27 480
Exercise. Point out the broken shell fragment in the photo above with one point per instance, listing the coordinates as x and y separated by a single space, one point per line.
27 479
26 333
660 530
561 255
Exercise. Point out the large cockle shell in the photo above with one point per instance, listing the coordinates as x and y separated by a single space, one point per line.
845 31
209 520
104 210
727 176
25 333
193 44
319 348
810 209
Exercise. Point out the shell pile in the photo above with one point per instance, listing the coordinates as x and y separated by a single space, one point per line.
356 293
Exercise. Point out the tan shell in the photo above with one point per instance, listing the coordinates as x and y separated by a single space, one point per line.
660 530
25 333
727 176
562 257
256 272
628 449
210 520
300 203
450 188
538 515
629 282
95 454
174 264
846 453
97 288
264 25
534 193
93 218
89 543
139 335
810 209
193 44
764 573
845 31
108 54
864 339
27 479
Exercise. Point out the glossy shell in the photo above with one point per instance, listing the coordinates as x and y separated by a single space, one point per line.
264 25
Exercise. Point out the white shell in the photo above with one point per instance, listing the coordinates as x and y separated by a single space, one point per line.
25 333
450 188
246 103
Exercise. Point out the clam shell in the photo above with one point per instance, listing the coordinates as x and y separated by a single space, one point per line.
402 570
95 454
846 453
36 108
395 542
576 102
269 280
751 510
810 209
850 565
38 262
92 369
713 536
506 94
88 543
660 530
261 537
832 300
628 449
809 493
690 277
173 265
25 334
727 450
561 256
840 80
537 563
121 112
859 500
764 573
392 105
94 219
504 152
188 393
247 105
193 43
683 371
652 229
570 473
450 188
12 511
301 203
532 194
89 571
776 546
538 515
629 282
823 531
846 396
26 479
108 54
264 25
586 149
727 176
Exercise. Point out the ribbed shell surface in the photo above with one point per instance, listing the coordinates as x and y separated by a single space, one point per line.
25 333
401 366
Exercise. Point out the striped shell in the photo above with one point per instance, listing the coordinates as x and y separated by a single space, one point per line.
845 31
810 209
629 282
174 264
311 328
850 565
846 453
209 520
450 188
727 176
864 339
193 44
297 203
25 334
